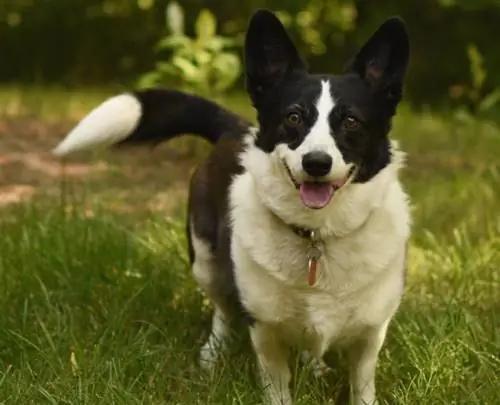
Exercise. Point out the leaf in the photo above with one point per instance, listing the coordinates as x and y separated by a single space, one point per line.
74 363
173 41
218 43
166 68
285 17
202 57
478 73
490 100
148 80
189 71
227 67
463 116
205 25
227 61
175 18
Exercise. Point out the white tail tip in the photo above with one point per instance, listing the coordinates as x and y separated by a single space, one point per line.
109 123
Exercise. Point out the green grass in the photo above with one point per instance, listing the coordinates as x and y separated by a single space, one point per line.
51 103
56 103
102 309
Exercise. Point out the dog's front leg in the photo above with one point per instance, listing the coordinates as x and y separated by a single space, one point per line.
272 356
363 357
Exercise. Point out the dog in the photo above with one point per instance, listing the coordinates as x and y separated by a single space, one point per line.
297 225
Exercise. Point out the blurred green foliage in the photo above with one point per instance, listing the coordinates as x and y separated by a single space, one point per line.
206 64
114 41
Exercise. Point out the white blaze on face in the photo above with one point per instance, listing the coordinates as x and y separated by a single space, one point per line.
320 136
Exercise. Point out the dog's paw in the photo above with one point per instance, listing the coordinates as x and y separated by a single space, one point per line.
208 357
317 366
210 354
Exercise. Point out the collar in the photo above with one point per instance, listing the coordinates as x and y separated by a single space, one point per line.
304 233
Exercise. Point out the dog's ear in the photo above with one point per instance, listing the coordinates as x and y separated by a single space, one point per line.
270 54
383 59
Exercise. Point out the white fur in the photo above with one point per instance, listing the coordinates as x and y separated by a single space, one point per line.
216 344
364 231
109 123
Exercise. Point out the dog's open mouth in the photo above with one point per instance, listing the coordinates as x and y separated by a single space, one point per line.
317 194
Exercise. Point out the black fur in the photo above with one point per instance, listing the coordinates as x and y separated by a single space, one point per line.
170 113
208 215
167 114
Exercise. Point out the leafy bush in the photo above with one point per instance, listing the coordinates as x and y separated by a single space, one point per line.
317 20
206 64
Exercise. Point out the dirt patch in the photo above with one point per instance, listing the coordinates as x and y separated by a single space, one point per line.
15 194
123 180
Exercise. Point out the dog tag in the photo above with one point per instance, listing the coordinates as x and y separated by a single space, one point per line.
314 256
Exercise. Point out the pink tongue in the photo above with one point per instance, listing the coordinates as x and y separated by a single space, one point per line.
316 195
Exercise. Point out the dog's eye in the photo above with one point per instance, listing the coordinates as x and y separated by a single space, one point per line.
351 123
294 118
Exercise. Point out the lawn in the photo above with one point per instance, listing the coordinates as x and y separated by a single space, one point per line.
98 305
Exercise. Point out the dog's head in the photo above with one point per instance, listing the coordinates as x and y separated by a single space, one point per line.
324 131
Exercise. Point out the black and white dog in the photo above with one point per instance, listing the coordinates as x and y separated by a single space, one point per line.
300 224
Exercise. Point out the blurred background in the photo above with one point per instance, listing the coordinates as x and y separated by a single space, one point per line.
99 306
102 42
61 58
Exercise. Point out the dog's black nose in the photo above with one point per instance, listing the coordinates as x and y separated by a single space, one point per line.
316 163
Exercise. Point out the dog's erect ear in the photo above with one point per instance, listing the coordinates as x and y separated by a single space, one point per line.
383 59
270 55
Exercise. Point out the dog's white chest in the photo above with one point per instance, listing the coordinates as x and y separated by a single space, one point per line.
359 277
335 310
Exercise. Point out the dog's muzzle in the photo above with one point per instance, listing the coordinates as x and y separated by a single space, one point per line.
317 193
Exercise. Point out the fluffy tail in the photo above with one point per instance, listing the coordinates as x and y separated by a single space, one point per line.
150 116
